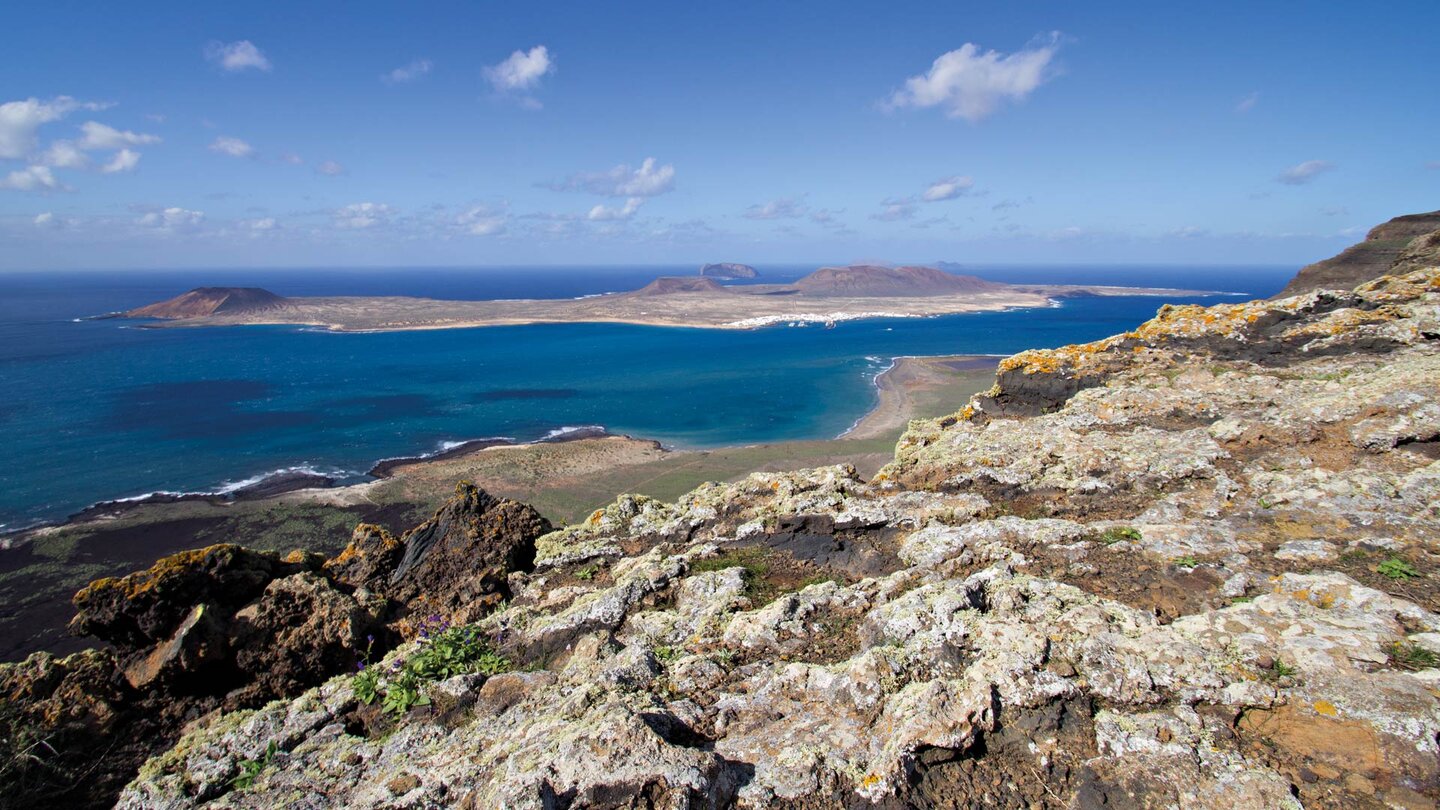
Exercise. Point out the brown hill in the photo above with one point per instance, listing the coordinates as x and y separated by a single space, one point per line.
203 301
870 279
666 285
1376 256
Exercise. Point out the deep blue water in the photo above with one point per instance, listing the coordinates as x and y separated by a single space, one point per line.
93 410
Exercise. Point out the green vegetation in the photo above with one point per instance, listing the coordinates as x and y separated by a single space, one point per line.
444 653
1186 562
1411 656
587 573
1115 534
1397 569
666 653
251 768
755 563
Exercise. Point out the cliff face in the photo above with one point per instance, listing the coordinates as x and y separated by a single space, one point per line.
1401 245
1189 566
203 301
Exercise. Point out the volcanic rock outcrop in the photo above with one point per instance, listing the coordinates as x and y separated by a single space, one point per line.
203 301
225 628
1399 246
1190 566
665 285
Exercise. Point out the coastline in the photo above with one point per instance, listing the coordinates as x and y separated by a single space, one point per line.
565 474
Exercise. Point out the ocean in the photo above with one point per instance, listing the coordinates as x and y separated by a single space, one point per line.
94 410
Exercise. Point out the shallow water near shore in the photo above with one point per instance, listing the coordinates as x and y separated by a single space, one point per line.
96 410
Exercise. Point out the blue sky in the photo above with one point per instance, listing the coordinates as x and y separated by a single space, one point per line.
179 135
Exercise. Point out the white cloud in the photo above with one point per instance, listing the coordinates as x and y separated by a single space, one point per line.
783 208
649 180
971 85
234 147
31 178
44 220
173 219
947 189
95 135
602 214
1248 103
360 216
262 224
19 121
236 56
64 155
291 158
482 220
124 161
894 211
330 168
521 71
408 73
1303 173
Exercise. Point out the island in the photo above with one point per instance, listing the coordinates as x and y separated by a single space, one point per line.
729 270
828 295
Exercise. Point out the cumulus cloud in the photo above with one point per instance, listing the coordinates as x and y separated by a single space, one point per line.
31 178
969 84
408 73
947 189
261 224
19 121
649 180
234 147
44 220
521 71
330 168
1303 173
601 213
173 219
361 216
125 160
783 208
482 220
95 135
1248 103
894 211
233 57
64 155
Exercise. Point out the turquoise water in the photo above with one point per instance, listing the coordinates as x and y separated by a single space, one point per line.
95 410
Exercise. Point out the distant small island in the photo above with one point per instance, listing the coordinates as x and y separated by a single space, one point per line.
828 295
729 270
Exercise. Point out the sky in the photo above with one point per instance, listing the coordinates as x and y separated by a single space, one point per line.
171 135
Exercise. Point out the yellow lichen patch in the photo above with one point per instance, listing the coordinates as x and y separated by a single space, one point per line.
1326 708
133 585
595 516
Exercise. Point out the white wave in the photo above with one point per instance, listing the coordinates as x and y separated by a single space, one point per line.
567 430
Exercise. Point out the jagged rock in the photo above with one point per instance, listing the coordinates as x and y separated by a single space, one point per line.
369 559
300 631
456 563
146 607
